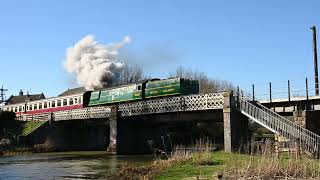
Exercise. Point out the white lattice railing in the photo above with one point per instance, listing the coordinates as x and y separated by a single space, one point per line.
34 117
279 124
173 104
151 106
83 113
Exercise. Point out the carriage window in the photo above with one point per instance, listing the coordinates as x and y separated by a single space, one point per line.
20 108
35 106
75 100
40 105
45 105
59 103
15 109
138 87
71 101
65 102
53 104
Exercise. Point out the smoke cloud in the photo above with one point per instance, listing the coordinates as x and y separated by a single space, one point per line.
94 65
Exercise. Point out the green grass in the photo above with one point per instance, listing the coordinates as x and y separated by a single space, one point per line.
221 161
244 166
19 128
29 126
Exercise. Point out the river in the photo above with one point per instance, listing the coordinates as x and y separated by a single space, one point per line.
64 165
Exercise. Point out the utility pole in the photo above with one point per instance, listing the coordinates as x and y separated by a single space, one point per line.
315 59
270 93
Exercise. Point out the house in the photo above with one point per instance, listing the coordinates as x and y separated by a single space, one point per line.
21 98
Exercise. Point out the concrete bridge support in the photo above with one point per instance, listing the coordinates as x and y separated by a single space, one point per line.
114 117
235 125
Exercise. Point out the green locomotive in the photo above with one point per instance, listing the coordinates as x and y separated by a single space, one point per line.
144 90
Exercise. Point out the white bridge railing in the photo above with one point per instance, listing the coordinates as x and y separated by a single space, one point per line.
151 106
34 117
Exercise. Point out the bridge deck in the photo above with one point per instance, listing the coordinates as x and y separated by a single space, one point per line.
152 106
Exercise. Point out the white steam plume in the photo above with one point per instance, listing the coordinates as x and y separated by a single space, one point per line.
95 65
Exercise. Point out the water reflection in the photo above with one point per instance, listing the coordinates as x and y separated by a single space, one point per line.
64 165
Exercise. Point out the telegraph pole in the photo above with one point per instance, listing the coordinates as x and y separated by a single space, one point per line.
314 32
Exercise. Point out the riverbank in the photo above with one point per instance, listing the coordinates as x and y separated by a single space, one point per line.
16 151
227 165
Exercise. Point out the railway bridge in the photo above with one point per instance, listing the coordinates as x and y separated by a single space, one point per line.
225 107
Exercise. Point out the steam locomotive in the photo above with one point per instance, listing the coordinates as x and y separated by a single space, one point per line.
147 89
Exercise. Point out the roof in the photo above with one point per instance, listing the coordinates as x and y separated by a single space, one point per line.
24 98
68 92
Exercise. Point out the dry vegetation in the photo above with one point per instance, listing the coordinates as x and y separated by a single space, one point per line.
149 171
199 155
262 167
200 163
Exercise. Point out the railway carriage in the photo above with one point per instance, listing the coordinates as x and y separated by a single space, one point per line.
46 105
154 88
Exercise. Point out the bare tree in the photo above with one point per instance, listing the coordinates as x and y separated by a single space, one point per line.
131 74
207 85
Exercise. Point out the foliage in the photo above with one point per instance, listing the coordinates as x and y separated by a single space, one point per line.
7 116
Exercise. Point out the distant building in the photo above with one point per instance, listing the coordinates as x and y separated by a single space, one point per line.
21 98
79 90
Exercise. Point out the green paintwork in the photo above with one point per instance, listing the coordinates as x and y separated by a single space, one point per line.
158 88
119 94
163 91
168 87
162 83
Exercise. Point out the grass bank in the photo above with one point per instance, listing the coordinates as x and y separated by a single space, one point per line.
227 165
14 128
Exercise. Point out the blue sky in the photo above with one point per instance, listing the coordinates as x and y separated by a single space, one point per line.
244 42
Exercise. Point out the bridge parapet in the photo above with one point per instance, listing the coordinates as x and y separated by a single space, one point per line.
173 104
152 106
83 113
34 117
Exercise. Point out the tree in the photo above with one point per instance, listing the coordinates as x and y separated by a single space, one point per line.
131 74
207 85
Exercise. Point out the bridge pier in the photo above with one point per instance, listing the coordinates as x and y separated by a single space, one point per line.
235 124
114 117
227 122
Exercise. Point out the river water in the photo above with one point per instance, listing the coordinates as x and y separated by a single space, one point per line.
65 165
